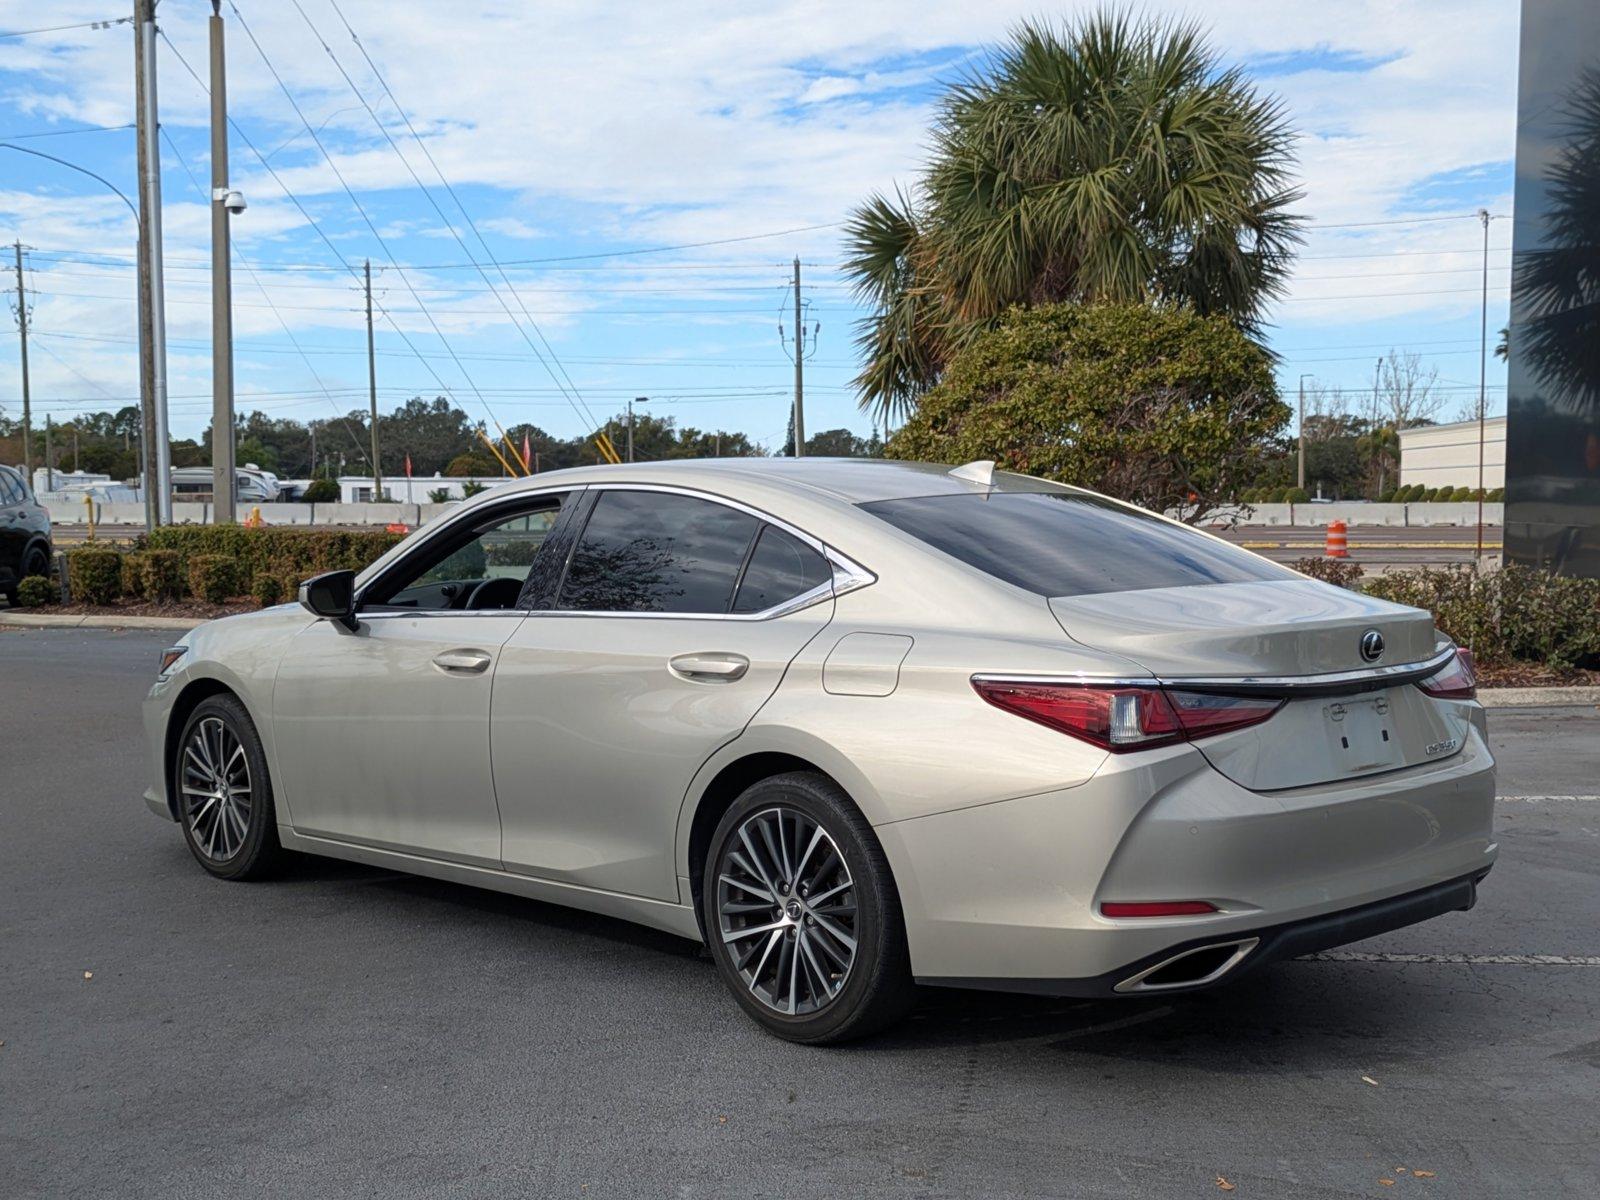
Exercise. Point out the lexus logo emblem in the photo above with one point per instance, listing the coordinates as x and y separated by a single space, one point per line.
1372 645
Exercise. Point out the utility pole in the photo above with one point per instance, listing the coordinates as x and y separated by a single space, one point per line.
312 426
1300 480
799 369
223 202
1483 373
1377 431
152 288
372 386
49 459
27 410
631 403
74 447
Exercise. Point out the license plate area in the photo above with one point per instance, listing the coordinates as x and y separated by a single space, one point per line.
1361 733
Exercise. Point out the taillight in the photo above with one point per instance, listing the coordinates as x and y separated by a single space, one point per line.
1453 681
1120 718
1157 908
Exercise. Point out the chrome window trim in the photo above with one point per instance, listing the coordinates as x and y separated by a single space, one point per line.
848 575
1365 679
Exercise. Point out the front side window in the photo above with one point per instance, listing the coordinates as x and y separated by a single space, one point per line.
655 552
480 567
781 567
1072 543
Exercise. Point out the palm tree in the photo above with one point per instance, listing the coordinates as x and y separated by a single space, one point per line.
1106 160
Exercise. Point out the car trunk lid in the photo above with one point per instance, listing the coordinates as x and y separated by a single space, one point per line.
1300 639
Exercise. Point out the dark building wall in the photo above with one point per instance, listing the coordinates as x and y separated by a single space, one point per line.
1553 396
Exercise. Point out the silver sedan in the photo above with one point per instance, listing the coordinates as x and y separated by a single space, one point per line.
855 725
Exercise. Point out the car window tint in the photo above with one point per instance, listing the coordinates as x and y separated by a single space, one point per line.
1072 543
780 568
657 552
10 489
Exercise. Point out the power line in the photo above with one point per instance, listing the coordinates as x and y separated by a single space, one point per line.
301 208
579 408
106 24
18 137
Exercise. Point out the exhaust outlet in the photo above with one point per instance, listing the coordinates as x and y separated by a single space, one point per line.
1191 968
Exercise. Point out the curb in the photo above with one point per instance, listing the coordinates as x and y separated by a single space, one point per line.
94 621
1538 697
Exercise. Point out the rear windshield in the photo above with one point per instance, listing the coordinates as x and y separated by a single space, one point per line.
1071 544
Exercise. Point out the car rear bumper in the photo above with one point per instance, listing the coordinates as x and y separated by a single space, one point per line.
1255 947
1009 893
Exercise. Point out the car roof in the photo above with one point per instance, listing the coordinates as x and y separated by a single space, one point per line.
851 480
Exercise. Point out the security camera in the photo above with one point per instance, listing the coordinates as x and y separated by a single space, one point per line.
231 200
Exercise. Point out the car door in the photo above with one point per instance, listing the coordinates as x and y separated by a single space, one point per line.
382 734
673 622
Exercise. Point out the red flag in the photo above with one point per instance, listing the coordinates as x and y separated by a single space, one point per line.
527 453
408 466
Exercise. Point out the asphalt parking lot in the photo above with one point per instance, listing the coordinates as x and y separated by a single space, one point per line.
351 1032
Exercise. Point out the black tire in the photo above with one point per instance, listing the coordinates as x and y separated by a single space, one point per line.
35 562
877 987
258 854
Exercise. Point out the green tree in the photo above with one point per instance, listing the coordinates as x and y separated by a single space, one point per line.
1160 406
472 463
1107 160
841 443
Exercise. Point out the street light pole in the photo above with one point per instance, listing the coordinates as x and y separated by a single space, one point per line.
152 287
799 368
1300 480
222 451
27 410
1483 373
372 387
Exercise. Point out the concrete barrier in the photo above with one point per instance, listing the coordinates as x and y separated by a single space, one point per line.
413 515
1464 513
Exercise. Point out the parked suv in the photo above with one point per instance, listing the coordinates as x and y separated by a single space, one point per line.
24 534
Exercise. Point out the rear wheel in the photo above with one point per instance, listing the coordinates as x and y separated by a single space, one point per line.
34 562
802 914
224 793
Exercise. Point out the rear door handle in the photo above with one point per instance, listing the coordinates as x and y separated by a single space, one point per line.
709 667
463 662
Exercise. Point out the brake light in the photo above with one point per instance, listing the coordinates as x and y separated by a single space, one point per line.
1456 680
1121 718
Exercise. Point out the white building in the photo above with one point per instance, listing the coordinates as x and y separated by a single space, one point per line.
1447 455
357 489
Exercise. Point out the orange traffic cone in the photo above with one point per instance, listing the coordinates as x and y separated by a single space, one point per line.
1337 546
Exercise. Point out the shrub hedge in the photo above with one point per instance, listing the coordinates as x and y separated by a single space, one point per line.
267 590
152 575
94 575
1345 572
1515 614
274 550
35 591
214 577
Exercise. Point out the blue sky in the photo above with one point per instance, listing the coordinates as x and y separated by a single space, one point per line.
572 133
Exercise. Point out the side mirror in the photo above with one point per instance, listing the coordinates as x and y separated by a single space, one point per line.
332 596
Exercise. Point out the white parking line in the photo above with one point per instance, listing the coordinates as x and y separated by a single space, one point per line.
1471 960
1542 799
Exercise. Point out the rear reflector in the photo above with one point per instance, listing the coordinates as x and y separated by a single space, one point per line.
1158 908
1120 717
1453 681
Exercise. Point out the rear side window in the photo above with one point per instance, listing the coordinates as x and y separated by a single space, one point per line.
781 567
1070 543
10 488
656 552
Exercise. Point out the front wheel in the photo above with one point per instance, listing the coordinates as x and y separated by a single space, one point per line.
224 793
802 914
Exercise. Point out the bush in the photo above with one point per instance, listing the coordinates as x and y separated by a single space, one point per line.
1297 495
321 491
1516 614
275 549
1496 496
214 577
152 575
1344 572
438 495
267 590
35 591
1461 494
1388 495
472 487
94 575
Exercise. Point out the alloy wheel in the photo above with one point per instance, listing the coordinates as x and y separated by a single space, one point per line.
217 800
786 909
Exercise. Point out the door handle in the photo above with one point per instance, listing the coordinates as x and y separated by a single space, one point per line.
463 662
709 667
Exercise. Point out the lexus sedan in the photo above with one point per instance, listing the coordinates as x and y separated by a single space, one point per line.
855 725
